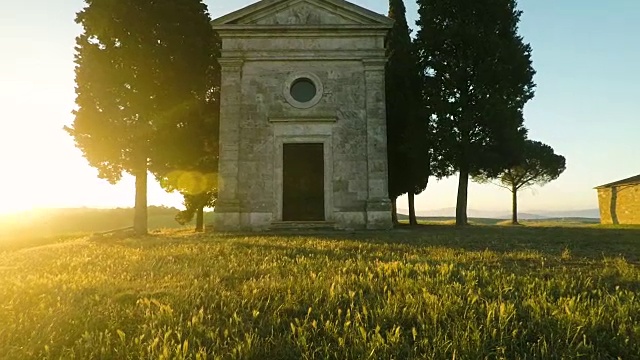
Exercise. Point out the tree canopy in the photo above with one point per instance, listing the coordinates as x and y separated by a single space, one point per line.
477 77
142 68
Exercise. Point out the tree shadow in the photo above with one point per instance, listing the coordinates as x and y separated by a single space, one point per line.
613 206
587 242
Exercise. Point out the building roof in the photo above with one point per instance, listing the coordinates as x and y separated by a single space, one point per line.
250 13
628 181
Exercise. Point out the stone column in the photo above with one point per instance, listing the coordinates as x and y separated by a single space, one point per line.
227 209
378 204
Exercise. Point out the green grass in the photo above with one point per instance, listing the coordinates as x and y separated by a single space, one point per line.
435 292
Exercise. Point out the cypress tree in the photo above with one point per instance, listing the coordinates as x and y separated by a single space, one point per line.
406 129
478 76
141 68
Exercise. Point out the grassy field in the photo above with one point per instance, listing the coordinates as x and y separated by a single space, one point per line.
435 292
41 226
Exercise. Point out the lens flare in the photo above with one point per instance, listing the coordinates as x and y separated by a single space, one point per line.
190 182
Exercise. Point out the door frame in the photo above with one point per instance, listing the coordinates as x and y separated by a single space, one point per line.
325 139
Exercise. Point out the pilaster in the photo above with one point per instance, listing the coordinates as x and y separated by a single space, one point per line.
378 203
227 205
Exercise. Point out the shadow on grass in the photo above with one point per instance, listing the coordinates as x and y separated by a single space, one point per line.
586 242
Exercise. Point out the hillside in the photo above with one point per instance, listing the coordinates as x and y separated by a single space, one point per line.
52 222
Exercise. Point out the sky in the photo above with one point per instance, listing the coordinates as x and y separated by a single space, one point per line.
587 107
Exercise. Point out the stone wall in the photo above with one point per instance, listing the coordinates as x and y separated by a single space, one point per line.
620 204
269 120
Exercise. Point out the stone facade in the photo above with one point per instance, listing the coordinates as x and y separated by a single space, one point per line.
266 48
619 204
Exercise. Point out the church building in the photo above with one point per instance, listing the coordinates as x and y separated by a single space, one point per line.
302 117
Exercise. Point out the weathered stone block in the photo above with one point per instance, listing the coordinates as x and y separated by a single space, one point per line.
340 186
378 188
256 220
379 220
357 185
350 220
226 221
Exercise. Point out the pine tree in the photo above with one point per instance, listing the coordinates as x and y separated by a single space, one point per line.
478 76
142 68
539 165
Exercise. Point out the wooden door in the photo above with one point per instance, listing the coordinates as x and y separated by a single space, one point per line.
303 182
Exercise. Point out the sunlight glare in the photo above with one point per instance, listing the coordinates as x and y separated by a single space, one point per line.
190 182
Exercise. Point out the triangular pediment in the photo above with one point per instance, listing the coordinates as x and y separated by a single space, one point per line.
303 12
300 13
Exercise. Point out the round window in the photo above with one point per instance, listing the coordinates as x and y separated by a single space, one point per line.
303 90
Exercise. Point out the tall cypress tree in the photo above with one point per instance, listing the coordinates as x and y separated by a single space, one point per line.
406 131
478 76
142 67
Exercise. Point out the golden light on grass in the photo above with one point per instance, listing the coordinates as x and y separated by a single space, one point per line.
497 292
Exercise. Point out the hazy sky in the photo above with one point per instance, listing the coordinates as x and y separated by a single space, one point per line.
587 105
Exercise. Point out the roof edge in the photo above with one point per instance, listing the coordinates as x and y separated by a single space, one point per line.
237 14
264 4
628 181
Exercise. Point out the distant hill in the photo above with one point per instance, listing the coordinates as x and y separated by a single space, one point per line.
487 214
53 222
561 221
451 211
586 213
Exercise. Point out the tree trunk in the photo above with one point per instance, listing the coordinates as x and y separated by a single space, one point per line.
514 208
463 180
140 225
200 219
394 211
461 203
412 209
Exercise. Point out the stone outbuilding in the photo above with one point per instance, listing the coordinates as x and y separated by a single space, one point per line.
302 119
620 201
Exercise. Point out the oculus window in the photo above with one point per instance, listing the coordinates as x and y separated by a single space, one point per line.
303 90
